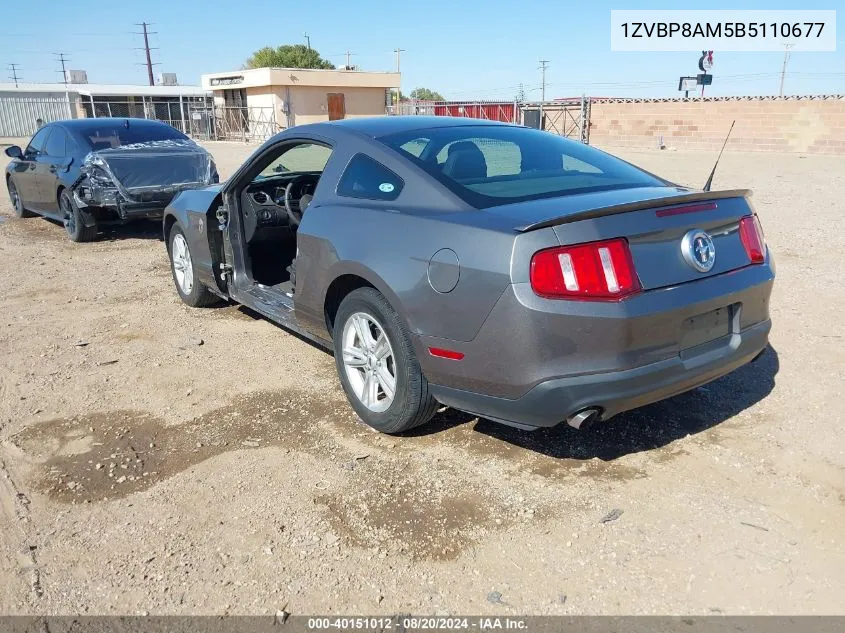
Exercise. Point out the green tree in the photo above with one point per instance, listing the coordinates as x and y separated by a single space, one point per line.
425 94
287 56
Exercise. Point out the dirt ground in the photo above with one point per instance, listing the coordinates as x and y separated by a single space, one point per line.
160 459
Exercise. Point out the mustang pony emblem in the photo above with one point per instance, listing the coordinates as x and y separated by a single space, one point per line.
698 250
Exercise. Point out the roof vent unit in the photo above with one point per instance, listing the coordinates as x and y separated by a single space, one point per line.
167 79
77 76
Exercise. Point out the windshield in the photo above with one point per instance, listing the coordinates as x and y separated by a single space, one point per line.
491 165
118 135
301 158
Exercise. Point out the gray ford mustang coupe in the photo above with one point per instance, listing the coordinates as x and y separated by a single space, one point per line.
496 269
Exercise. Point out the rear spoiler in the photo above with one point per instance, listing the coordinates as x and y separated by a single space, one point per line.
639 205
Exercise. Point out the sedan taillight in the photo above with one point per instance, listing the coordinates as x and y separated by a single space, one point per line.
596 271
751 234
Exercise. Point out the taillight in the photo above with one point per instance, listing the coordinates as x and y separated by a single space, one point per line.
751 234
601 271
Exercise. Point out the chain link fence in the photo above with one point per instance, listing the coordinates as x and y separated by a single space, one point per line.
198 117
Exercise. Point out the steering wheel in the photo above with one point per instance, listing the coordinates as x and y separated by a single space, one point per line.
294 206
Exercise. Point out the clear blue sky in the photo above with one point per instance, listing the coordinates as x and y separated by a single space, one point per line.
461 48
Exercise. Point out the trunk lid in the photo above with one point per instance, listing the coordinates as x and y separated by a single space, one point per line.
654 220
152 171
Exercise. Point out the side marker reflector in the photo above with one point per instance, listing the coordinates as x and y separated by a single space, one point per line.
445 353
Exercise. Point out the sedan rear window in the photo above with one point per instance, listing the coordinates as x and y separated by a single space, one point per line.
489 165
116 135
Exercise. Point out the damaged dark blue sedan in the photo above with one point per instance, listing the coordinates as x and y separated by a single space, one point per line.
89 172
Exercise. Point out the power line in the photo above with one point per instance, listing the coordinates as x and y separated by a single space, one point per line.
13 68
62 59
147 50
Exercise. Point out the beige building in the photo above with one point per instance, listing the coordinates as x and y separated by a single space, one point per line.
295 96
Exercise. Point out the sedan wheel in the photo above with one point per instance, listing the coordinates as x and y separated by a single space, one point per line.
73 221
17 201
369 362
377 365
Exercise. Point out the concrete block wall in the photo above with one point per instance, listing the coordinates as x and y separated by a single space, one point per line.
766 124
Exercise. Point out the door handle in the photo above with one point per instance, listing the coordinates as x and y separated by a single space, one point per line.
53 169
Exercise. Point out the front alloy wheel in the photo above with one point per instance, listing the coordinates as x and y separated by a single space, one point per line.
183 269
17 201
190 289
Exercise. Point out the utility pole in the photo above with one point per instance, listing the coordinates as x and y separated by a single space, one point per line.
786 55
307 40
62 59
348 64
14 76
398 52
147 50
543 65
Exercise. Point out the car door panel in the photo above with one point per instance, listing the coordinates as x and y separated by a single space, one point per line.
49 164
25 173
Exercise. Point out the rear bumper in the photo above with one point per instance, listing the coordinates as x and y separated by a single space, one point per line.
553 401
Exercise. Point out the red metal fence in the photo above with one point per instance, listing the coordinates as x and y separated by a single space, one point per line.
492 111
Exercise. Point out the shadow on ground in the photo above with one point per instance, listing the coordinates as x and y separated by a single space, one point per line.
137 230
643 429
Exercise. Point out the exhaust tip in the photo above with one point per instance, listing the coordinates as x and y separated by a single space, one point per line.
584 418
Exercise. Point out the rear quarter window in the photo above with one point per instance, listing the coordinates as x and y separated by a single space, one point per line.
365 177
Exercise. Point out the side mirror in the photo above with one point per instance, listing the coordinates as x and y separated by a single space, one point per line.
13 151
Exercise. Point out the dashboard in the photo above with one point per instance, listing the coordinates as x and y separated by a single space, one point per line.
262 202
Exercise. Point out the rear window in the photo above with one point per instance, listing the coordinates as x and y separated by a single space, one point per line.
118 135
492 165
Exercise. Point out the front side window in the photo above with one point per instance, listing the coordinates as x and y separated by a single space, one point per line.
36 144
488 165
300 158
367 178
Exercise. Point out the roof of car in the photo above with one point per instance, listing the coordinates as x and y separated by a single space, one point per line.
382 125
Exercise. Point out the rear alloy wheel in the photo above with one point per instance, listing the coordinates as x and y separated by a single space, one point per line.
377 366
73 220
17 202
190 289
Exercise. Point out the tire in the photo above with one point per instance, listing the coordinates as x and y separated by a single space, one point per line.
412 403
17 202
73 220
184 271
